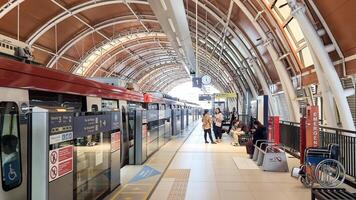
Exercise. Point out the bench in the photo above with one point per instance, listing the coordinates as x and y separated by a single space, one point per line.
331 194
271 156
257 150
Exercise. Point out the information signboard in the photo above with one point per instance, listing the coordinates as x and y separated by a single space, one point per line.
91 124
60 162
60 127
197 82
225 95
312 127
204 97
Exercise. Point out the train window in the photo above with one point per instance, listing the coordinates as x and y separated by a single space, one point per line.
10 146
94 108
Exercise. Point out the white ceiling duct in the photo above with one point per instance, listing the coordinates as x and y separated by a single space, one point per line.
173 20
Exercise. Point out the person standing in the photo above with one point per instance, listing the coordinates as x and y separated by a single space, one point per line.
232 118
207 126
218 118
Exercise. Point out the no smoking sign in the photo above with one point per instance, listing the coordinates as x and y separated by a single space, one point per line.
60 162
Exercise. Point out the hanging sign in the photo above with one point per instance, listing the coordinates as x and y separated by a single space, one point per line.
60 162
197 82
204 97
225 95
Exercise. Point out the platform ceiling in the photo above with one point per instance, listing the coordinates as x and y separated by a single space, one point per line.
123 38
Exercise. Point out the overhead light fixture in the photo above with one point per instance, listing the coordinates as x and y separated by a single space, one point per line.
164 6
171 24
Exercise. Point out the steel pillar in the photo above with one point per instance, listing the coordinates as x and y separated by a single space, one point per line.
329 72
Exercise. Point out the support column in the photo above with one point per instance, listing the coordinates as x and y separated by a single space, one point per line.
328 101
293 105
331 77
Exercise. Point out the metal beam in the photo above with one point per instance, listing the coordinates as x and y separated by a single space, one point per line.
83 34
73 11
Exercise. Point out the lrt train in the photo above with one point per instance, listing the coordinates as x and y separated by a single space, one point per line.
23 86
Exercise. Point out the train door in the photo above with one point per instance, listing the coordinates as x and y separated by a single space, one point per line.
13 145
93 104
125 142
132 107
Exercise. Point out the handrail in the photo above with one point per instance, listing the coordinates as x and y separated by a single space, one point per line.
338 129
321 127
289 122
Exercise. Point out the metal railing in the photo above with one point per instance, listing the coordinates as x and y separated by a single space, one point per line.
346 139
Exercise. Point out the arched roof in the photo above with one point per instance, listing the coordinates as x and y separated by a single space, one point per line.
124 38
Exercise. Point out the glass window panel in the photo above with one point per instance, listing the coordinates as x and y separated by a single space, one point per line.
290 37
284 11
296 30
307 58
92 157
10 146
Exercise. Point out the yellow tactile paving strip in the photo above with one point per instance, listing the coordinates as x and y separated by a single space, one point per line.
179 188
177 174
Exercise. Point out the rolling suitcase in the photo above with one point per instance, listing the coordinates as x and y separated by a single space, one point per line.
249 147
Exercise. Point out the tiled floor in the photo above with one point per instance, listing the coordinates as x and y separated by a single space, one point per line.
140 190
193 170
214 174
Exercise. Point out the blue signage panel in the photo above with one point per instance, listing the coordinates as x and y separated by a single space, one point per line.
91 124
197 82
145 172
60 122
12 174
204 97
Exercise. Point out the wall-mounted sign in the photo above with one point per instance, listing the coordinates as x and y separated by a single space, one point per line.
197 82
91 124
60 127
60 162
204 97
312 127
225 95
115 141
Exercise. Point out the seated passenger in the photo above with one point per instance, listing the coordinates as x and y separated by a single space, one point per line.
236 131
9 148
260 132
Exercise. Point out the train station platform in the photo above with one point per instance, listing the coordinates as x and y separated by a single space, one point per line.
139 181
187 168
